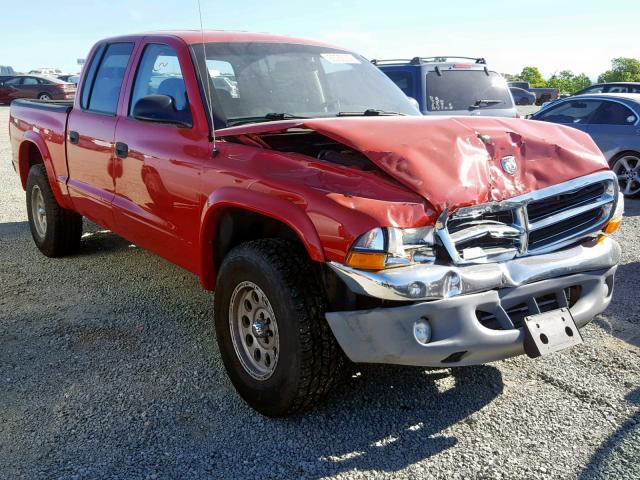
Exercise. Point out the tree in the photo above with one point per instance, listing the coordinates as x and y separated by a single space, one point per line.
623 69
533 76
567 82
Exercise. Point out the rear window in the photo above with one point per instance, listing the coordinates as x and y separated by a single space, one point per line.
466 90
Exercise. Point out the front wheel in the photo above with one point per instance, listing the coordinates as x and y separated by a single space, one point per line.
626 166
55 230
274 340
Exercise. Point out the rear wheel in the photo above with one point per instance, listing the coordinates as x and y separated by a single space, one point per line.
44 96
626 166
274 340
55 230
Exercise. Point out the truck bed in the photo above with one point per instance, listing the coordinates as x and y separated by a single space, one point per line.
42 123
51 105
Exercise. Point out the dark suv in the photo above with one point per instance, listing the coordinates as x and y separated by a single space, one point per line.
442 86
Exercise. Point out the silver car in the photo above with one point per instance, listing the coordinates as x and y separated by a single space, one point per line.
613 121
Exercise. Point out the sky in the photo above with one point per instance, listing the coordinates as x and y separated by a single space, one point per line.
582 36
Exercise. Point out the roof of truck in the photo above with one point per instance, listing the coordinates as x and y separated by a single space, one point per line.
222 36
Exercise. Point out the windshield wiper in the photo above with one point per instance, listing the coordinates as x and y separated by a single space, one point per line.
370 112
484 103
267 117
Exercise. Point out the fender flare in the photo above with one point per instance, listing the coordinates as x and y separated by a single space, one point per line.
31 137
277 208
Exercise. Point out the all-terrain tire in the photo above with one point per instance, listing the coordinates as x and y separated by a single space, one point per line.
310 360
60 232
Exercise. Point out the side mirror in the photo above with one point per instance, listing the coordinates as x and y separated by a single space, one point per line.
160 109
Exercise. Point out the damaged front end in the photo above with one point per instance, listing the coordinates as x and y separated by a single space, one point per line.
516 227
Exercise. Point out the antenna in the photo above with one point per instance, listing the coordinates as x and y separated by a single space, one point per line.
208 80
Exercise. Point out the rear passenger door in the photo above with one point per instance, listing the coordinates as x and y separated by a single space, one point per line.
90 133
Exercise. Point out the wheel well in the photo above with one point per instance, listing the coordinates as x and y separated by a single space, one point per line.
236 226
622 154
29 156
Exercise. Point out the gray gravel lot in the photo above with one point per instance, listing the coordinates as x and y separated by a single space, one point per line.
109 369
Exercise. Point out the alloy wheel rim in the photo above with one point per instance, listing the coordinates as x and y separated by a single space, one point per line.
254 330
38 212
627 169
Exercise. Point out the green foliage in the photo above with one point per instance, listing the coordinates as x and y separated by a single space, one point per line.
533 76
567 82
623 69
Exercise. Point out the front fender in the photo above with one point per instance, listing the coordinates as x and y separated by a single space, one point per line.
277 208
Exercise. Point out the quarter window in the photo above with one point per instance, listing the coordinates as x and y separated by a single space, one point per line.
105 91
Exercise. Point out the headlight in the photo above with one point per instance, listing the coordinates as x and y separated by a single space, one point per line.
612 225
392 247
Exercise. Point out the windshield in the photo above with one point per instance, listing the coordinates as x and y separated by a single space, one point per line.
466 90
261 81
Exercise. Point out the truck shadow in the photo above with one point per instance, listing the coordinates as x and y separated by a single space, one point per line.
611 458
386 418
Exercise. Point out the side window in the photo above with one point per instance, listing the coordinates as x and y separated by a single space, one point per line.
618 89
29 81
595 89
90 76
613 113
105 91
159 73
13 81
403 81
572 112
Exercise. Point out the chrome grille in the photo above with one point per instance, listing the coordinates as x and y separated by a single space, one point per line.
538 222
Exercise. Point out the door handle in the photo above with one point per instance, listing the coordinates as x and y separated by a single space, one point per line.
122 149
74 137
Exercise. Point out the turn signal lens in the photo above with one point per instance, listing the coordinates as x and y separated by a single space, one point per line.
612 226
367 261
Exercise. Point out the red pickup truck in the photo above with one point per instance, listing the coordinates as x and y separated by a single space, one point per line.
333 220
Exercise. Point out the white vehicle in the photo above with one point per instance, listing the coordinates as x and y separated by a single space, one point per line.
46 71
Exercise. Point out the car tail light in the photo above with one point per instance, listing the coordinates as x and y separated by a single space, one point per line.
462 65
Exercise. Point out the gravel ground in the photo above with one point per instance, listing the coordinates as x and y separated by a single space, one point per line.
109 369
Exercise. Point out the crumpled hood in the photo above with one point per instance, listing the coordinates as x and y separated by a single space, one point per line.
456 161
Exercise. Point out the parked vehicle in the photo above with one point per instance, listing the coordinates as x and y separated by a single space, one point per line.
543 95
522 97
69 78
46 71
613 121
330 217
613 87
31 86
6 70
444 87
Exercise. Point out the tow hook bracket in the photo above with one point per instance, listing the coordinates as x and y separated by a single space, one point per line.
549 332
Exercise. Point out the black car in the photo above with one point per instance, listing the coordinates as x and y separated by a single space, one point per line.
613 87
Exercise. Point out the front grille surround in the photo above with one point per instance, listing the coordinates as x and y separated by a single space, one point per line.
539 222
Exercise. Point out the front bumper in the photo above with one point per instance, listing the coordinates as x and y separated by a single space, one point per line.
459 337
